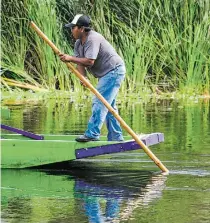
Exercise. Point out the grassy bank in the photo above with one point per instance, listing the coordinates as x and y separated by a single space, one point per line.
165 44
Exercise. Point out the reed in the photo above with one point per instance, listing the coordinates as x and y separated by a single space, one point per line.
52 73
165 44
14 43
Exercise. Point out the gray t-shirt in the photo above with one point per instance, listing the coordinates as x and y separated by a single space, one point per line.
98 48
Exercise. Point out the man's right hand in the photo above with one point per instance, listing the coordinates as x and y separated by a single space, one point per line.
65 57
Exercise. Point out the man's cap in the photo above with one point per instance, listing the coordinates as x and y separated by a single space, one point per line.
79 20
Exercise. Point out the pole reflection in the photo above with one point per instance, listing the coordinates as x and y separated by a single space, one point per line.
77 195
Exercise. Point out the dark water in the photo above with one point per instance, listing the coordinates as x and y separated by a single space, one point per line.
124 187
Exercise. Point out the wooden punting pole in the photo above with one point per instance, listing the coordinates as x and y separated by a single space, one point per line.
109 107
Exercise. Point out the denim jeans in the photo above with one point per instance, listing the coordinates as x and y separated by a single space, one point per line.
108 86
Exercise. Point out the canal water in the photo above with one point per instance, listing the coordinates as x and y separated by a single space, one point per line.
123 187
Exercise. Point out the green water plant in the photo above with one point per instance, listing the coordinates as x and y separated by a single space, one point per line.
165 44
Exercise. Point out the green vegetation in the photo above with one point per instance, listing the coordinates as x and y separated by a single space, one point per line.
165 44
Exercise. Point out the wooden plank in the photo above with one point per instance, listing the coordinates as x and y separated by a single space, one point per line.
53 137
22 132
148 140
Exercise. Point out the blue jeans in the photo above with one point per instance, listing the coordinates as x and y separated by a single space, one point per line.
108 86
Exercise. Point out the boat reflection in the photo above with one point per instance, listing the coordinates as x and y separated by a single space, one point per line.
77 195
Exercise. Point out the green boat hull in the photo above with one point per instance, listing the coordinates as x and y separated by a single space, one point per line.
21 152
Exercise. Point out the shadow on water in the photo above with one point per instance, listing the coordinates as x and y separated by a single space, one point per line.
79 194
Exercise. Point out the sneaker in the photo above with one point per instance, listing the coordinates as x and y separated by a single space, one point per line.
84 138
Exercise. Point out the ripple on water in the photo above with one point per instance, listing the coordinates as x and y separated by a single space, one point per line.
191 172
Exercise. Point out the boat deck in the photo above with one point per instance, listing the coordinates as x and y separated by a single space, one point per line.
20 152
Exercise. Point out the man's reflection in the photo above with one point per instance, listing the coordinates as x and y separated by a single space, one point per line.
97 194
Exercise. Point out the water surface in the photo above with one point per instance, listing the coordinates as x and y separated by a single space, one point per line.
123 187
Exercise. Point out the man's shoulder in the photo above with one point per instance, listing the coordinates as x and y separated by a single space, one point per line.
95 36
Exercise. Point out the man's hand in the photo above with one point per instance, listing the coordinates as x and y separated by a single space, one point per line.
65 57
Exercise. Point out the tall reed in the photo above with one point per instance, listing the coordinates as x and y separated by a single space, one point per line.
165 44
14 42
52 73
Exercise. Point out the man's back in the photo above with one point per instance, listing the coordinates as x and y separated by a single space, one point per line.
98 48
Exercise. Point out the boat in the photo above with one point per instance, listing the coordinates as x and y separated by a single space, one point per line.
23 150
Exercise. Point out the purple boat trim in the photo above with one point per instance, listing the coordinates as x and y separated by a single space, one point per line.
22 132
148 140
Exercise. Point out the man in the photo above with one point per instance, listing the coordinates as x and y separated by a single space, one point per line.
94 53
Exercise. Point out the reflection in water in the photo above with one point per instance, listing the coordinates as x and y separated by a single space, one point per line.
152 191
74 196
183 123
121 193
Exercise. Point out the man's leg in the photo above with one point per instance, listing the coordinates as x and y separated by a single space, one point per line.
108 86
113 126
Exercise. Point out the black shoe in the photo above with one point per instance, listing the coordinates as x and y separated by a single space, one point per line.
84 138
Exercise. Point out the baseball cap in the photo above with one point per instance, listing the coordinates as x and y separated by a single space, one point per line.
79 20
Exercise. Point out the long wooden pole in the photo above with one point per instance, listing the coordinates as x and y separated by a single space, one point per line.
90 86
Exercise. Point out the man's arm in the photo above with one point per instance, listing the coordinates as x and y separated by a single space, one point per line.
82 70
79 61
